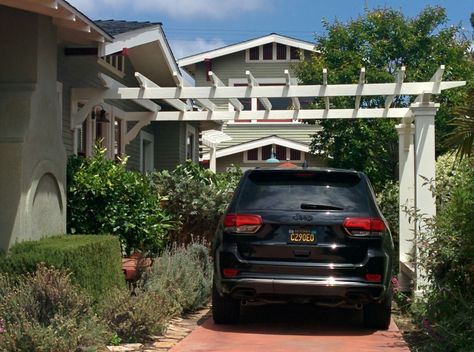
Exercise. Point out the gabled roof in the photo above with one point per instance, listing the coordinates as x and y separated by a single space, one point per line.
257 144
230 49
115 27
148 48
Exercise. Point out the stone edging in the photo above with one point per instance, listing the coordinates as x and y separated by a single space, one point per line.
177 329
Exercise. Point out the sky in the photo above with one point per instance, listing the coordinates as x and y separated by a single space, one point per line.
194 26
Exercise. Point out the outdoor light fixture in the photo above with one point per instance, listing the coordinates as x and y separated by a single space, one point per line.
273 159
99 114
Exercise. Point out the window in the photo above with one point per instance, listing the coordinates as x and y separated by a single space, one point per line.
117 138
82 139
282 153
295 154
281 52
273 52
268 51
252 154
254 53
146 152
294 53
267 152
114 63
191 143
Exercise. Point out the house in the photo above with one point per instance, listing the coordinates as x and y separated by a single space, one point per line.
258 61
56 66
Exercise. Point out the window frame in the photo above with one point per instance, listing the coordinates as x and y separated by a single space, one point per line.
261 160
274 54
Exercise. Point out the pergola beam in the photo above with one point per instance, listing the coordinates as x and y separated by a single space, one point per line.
253 84
294 100
307 114
425 97
360 87
114 85
325 83
181 83
399 80
218 83
264 92
145 83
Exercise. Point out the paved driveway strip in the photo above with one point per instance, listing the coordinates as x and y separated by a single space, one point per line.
293 328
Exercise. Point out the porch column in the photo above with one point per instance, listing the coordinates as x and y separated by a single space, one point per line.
425 165
212 159
406 156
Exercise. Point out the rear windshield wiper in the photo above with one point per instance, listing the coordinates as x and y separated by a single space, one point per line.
319 206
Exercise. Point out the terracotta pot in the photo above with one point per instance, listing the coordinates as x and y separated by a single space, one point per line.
135 264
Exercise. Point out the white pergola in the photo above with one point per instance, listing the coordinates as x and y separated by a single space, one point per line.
416 129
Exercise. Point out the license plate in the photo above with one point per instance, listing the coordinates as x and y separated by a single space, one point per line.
302 236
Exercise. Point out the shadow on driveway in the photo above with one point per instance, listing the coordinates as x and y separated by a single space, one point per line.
282 328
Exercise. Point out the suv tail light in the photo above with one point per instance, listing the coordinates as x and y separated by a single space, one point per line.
364 226
242 223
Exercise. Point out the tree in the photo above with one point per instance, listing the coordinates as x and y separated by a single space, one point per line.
462 137
383 40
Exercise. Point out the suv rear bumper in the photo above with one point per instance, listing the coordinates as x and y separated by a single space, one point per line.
329 290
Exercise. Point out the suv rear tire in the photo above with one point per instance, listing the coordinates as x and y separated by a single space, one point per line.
377 314
225 310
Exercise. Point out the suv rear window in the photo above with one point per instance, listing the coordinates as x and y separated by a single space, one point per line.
288 190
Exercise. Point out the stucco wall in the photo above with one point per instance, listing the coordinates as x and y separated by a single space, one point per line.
32 155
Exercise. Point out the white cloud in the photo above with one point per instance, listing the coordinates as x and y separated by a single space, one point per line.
186 9
183 48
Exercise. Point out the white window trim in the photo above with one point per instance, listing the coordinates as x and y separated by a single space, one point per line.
146 136
274 59
191 130
260 160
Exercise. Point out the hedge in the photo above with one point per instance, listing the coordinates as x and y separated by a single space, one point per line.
95 261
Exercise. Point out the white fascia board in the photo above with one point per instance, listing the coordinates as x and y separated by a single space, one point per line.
257 144
133 38
246 45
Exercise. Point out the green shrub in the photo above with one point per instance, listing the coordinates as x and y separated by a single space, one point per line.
183 276
197 197
446 254
134 318
44 311
95 261
105 198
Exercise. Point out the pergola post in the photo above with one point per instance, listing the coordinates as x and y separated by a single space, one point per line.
425 165
406 156
212 159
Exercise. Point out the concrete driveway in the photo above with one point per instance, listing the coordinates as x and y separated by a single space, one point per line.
282 328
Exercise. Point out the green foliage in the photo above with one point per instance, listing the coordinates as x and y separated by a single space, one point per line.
95 261
134 318
382 40
388 201
462 137
44 311
197 197
446 253
182 275
105 198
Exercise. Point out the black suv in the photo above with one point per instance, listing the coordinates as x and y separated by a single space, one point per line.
312 235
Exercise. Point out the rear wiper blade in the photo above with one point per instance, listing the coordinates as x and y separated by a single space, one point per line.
319 206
